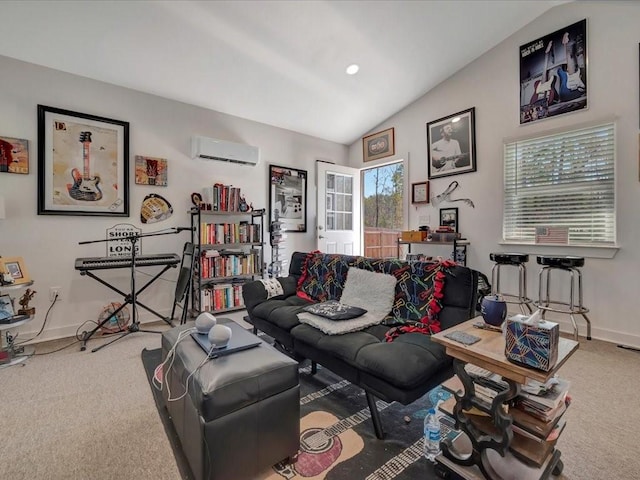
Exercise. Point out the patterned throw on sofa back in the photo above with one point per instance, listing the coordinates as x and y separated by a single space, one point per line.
324 276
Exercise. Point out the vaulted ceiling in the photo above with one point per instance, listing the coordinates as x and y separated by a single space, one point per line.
276 62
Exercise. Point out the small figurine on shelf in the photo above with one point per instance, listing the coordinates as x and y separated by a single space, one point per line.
24 302
243 206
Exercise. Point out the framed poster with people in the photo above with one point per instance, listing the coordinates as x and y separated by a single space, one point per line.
451 145
553 74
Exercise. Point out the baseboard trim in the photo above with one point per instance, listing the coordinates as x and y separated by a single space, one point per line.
69 331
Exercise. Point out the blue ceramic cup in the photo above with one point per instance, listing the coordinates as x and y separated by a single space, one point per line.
494 310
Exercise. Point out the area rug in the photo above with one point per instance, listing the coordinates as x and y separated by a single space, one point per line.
337 441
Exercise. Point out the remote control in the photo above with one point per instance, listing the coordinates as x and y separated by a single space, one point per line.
462 337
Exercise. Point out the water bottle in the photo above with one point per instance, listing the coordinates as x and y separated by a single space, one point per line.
431 435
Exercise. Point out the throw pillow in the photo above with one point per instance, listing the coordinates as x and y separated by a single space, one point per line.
334 310
363 288
372 290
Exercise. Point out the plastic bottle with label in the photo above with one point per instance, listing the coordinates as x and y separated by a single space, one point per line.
431 435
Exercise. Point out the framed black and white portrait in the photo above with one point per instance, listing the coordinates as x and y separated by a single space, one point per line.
451 145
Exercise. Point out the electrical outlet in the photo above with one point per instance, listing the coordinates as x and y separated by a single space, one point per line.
55 291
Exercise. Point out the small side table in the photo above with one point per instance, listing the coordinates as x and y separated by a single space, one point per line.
489 453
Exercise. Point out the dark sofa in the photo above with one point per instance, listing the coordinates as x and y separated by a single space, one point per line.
402 370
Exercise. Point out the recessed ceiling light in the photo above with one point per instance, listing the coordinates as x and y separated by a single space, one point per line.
353 69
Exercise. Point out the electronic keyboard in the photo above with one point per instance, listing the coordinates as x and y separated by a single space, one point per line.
104 263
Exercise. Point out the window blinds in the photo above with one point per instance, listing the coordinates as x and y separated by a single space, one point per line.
562 180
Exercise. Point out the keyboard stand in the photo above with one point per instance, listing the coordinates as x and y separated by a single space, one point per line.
128 301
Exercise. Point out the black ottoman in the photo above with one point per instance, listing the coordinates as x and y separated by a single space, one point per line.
242 411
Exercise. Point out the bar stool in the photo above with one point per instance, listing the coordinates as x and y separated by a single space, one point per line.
571 265
511 260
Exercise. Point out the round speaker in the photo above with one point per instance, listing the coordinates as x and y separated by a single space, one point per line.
204 322
219 336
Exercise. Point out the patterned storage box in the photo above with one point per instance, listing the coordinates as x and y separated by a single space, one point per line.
532 345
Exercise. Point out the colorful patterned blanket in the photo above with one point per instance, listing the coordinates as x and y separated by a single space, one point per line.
418 292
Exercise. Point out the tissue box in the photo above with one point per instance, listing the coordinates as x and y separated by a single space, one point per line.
532 345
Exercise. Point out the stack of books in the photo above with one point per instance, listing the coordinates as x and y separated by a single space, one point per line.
545 402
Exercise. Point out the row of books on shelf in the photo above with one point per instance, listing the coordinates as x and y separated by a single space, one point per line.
222 198
229 265
221 233
221 296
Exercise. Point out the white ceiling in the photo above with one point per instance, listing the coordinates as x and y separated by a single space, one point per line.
276 62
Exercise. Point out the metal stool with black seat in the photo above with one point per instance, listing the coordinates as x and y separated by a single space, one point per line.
571 265
518 260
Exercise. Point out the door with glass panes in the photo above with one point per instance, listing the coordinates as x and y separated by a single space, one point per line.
339 221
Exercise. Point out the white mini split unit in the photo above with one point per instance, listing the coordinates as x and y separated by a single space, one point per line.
212 149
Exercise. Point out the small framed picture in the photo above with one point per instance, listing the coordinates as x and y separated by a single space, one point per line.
14 155
379 145
15 268
449 218
6 307
420 192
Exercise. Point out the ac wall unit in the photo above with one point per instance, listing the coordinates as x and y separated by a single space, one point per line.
212 149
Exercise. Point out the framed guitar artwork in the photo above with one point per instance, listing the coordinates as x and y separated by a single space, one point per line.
83 164
553 74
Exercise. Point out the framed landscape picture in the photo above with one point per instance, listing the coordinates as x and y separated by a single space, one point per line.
83 164
451 144
553 73
288 195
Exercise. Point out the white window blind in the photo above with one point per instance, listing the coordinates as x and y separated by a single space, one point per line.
562 180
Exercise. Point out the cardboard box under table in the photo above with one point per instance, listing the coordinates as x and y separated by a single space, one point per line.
242 411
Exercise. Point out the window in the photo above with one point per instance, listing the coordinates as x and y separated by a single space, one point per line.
564 180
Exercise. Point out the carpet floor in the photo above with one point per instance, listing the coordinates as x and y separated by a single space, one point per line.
332 405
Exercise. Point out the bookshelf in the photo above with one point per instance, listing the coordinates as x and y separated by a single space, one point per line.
228 252
498 439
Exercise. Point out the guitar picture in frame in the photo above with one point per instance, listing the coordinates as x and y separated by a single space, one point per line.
553 74
83 164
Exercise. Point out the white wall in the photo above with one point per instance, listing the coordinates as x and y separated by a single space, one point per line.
491 85
159 128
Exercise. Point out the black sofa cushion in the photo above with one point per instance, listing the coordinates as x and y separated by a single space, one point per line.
282 313
407 362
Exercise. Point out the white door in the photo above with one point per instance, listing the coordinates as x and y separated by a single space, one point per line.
339 215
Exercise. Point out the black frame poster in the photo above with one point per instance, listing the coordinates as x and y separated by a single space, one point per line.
553 74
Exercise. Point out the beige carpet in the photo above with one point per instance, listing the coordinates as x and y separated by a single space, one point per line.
81 415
